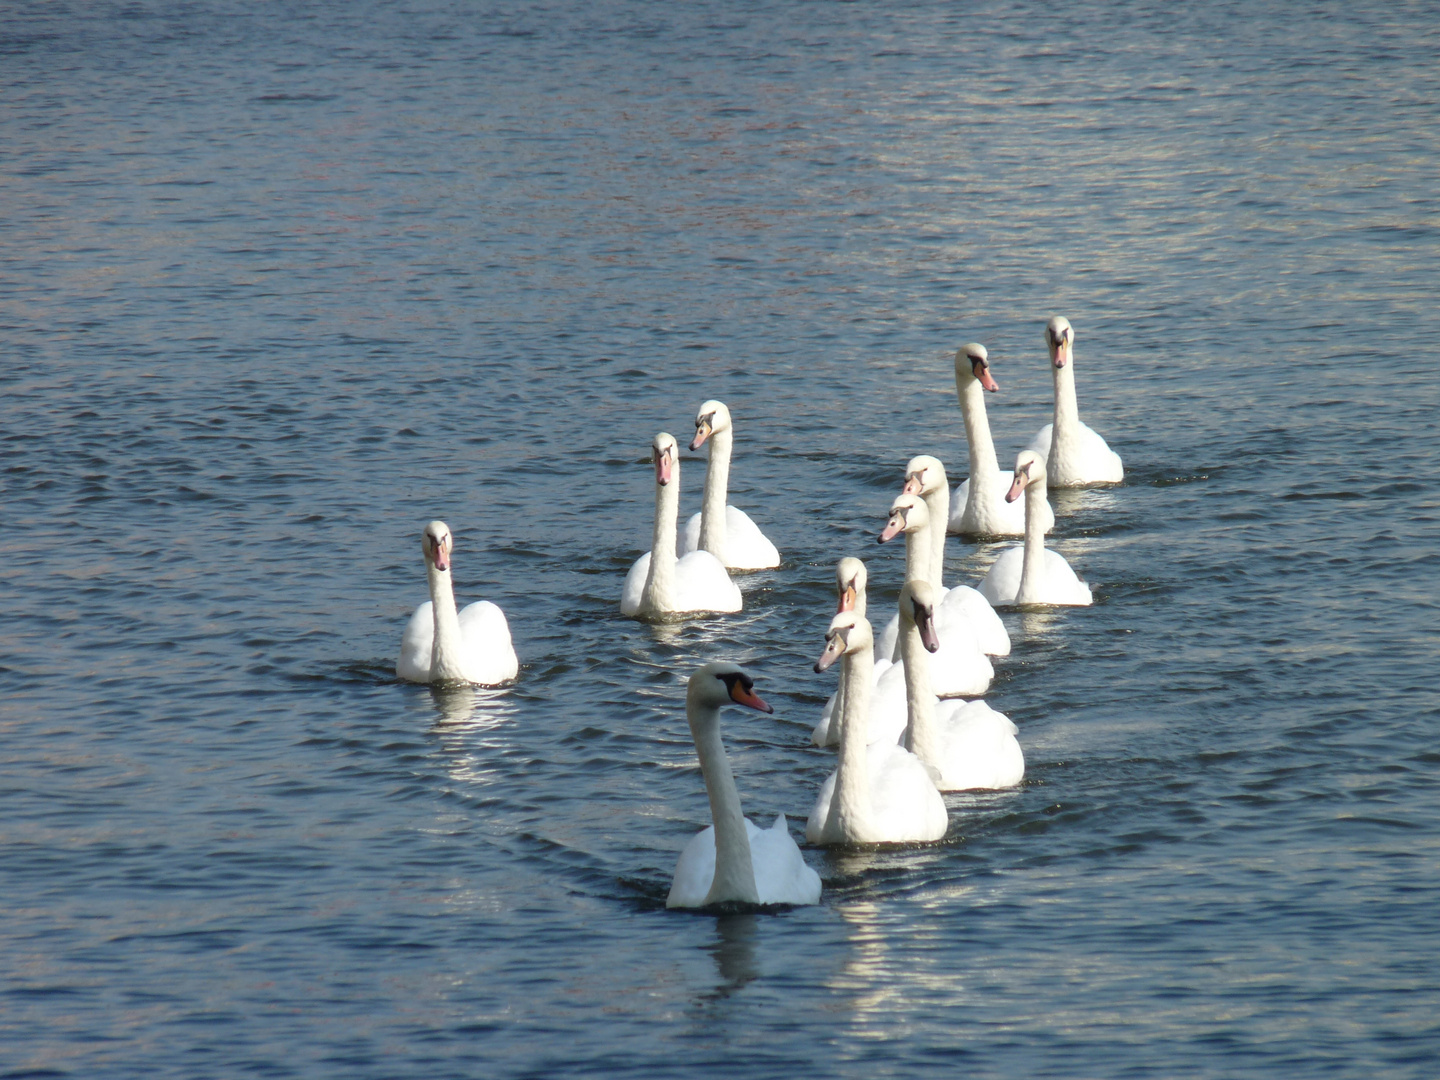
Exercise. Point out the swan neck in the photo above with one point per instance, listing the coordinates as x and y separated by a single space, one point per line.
713 536
1032 570
983 462
659 594
850 804
445 650
919 554
938 504
919 699
1066 426
734 870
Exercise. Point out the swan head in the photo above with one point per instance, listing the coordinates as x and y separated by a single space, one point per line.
713 417
917 606
1029 468
724 683
665 455
1059 339
850 577
975 359
847 633
925 475
907 515
437 543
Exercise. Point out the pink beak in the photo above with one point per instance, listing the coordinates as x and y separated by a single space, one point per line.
893 527
847 600
983 374
442 557
1062 354
662 469
912 485
1017 485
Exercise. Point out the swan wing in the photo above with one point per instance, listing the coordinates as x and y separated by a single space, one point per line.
415 646
972 608
782 876
489 654
978 747
1002 581
634 590
746 547
694 871
904 803
703 584
690 535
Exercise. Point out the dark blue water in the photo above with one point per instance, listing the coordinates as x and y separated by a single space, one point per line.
280 283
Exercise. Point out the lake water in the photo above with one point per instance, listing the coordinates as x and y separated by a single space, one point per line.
280 283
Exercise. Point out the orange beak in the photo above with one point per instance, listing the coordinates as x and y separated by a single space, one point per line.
742 696
847 599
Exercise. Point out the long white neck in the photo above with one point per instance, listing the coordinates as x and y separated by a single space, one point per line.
734 871
938 504
920 737
445 659
659 594
984 468
850 805
1065 430
1032 570
713 536
919 554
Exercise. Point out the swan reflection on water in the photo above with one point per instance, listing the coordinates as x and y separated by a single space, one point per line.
734 953
469 721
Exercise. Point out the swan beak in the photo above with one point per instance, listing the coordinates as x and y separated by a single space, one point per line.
847 600
925 623
912 484
833 648
663 469
983 376
743 695
894 527
1062 354
702 432
442 557
1017 485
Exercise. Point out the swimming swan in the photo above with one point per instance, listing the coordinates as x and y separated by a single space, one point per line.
440 646
733 860
659 584
850 579
1074 454
1032 573
965 744
979 507
723 530
879 793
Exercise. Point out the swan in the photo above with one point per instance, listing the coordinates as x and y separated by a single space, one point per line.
979 507
879 793
967 624
659 584
965 744
850 579
1074 454
733 860
723 530
440 646
1031 573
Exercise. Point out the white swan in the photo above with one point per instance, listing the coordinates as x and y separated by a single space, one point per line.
441 646
850 579
1074 454
979 507
879 793
723 530
967 623
1032 573
659 584
733 860
965 744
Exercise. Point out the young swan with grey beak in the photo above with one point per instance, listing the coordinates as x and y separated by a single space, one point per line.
733 861
964 744
1075 456
721 529
659 585
443 646
879 793
979 507
1032 573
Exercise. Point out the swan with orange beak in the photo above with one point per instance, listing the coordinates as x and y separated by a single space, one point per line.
1075 455
721 529
1032 573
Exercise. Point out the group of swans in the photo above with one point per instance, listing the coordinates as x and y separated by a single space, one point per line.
904 715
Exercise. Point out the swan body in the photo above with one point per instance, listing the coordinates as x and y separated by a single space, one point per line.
732 860
659 584
1074 454
979 507
723 530
970 628
442 646
964 744
1032 573
879 793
